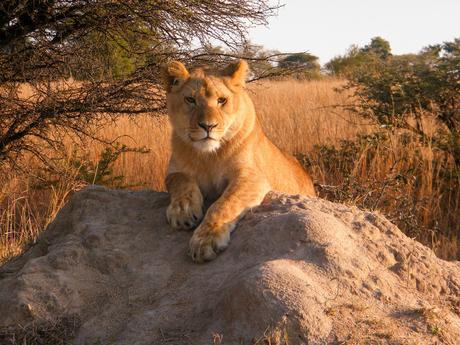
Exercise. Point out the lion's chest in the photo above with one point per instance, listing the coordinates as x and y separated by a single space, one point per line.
212 183
210 173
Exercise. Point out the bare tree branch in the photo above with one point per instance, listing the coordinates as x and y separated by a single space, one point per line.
112 49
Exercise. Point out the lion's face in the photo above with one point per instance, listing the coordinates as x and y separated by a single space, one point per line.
204 108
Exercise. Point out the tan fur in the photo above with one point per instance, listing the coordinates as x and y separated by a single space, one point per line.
229 161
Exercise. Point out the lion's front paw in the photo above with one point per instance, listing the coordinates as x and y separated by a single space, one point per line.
206 242
185 212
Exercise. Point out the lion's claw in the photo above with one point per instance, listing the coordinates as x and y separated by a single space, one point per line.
185 213
205 244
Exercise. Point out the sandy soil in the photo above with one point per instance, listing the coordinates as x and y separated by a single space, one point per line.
298 271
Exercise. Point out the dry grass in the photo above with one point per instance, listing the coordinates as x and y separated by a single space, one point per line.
295 115
140 170
26 209
299 117
56 332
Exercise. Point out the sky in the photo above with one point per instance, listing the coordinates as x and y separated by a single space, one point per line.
327 28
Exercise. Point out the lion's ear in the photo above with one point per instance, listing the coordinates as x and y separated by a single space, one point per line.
174 75
237 72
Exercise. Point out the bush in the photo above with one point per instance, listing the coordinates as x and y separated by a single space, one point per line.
393 173
102 172
357 59
411 92
415 101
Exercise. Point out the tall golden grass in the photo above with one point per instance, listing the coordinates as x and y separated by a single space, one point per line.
300 117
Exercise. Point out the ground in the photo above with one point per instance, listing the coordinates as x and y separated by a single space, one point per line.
109 270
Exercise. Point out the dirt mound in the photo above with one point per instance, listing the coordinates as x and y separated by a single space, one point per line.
298 270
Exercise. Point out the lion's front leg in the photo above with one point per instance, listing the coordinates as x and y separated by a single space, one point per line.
185 210
213 234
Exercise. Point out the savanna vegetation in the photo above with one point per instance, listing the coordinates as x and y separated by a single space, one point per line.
80 104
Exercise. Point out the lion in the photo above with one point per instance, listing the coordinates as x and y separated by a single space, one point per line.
220 154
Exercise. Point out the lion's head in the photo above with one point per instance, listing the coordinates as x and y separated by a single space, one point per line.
207 108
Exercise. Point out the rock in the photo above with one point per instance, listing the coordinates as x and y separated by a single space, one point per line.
298 271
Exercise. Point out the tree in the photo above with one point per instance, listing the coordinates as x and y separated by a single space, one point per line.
114 47
357 59
378 46
306 65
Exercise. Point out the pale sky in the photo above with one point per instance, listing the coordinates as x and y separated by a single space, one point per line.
327 28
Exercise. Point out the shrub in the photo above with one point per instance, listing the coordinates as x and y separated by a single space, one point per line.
413 92
415 101
102 172
395 174
359 59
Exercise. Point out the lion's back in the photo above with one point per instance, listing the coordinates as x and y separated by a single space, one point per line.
283 172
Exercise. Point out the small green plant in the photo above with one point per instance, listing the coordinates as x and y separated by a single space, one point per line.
101 171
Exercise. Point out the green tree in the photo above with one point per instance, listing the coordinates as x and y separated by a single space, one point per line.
345 65
114 56
357 59
378 46
305 65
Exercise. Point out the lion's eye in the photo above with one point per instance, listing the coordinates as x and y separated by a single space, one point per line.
222 100
190 100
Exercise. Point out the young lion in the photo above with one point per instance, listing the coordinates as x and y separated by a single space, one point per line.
219 152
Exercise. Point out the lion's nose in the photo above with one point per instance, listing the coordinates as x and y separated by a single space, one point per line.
207 126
